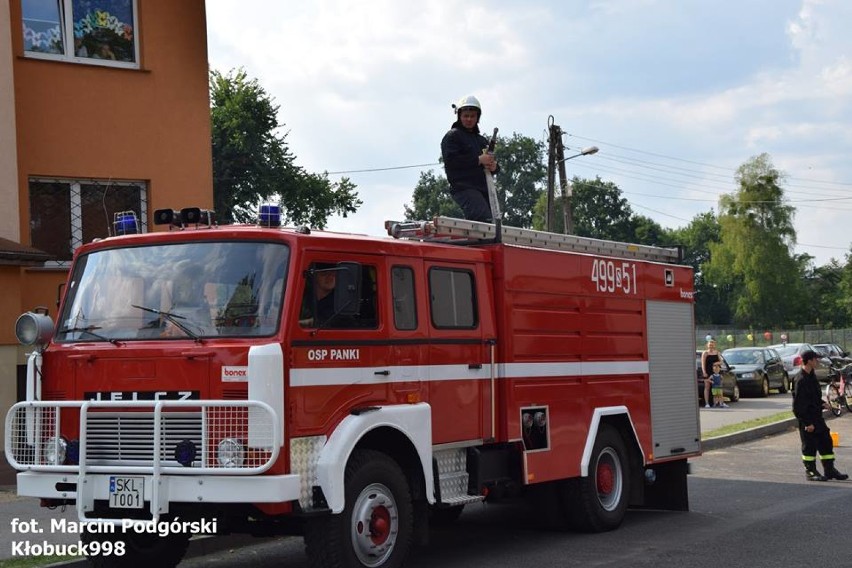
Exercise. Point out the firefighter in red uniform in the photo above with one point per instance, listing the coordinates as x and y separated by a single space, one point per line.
813 431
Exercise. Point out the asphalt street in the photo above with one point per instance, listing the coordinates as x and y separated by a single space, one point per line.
720 459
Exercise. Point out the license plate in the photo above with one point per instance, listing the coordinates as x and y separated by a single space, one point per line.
126 492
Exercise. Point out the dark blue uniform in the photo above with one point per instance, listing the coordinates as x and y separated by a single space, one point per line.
460 149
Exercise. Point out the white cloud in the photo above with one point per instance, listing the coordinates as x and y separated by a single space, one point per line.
369 85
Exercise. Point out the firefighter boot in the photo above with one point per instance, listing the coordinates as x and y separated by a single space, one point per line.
831 472
811 473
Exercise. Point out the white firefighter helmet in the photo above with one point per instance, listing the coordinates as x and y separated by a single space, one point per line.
468 102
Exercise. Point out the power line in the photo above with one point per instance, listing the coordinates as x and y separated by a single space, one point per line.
810 180
368 170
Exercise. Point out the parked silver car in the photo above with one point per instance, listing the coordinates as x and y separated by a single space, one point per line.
791 355
839 356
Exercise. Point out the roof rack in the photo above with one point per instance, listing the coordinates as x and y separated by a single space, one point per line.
462 231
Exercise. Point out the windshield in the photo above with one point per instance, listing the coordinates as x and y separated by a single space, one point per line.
786 350
744 357
175 291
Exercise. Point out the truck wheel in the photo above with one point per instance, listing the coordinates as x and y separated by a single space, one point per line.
376 526
140 550
598 502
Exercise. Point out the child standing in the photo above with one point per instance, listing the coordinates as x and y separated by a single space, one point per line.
716 389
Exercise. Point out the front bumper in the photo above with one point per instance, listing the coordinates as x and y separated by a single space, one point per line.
159 491
137 440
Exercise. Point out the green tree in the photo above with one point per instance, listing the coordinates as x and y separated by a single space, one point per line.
521 178
753 257
646 231
518 185
844 291
252 163
711 306
822 283
431 198
599 209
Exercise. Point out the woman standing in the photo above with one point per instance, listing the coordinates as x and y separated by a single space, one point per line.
708 357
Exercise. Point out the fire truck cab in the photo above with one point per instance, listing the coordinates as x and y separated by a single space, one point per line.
354 388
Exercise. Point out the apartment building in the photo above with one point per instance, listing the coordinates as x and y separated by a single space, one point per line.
104 108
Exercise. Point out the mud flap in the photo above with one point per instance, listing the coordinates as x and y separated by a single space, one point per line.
669 491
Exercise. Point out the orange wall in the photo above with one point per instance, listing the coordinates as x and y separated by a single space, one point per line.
88 121
151 124
10 303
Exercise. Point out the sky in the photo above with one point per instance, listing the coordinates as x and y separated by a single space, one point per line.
677 94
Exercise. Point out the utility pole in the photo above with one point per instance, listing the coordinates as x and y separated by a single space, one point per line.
565 186
556 157
551 163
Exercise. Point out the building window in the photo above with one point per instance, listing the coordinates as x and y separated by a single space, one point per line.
64 214
101 32
452 298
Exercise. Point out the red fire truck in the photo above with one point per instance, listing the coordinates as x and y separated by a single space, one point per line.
353 388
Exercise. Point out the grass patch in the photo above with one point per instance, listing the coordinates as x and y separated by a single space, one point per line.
34 561
753 423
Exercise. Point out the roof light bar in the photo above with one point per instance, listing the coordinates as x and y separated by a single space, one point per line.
125 223
269 216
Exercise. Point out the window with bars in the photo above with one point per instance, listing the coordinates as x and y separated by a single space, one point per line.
82 31
64 214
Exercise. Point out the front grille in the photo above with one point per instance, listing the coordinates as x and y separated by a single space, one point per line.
219 437
128 438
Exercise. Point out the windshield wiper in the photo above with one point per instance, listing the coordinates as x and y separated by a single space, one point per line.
173 318
90 331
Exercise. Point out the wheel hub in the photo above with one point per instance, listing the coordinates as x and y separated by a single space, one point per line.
608 479
375 524
605 478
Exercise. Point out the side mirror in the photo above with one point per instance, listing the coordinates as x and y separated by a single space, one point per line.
347 290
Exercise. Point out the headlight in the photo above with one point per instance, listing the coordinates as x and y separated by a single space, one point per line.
53 451
230 453
32 328
747 375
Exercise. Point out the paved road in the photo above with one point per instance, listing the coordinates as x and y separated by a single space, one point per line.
750 507
743 410
711 465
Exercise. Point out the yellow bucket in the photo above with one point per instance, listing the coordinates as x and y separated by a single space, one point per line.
835 438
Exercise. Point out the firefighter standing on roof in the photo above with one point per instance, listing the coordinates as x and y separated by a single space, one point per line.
465 162
813 431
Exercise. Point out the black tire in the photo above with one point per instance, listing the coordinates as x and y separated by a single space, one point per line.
376 526
735 395
140 550
439 516
832 394
785 384
598 502
847 396
764 387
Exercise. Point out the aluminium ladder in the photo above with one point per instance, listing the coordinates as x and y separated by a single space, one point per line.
462 231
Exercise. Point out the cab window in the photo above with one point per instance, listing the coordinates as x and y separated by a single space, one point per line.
318 308
404 305
452 298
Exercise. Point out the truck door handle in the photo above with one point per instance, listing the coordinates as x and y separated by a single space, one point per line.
385 373
196 354
474 366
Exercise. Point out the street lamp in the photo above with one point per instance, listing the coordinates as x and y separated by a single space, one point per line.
588 151
566 187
